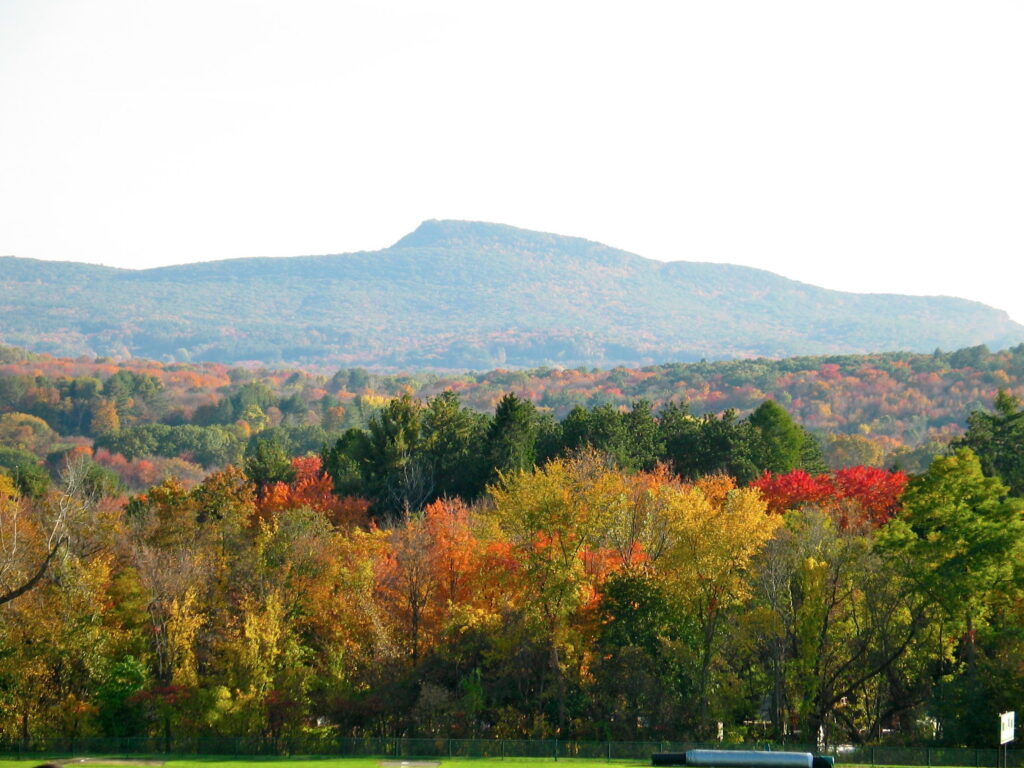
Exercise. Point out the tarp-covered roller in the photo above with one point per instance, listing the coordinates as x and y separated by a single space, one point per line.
738 758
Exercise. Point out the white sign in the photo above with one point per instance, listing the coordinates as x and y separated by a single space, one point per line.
1006 727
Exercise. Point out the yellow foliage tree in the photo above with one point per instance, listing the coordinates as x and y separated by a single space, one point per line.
553 517
715 529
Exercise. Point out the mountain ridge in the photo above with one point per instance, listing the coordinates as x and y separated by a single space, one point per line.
468 295
415 239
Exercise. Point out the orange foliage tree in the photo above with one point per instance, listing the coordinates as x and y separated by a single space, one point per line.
312 489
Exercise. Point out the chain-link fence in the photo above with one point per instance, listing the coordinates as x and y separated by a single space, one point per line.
324 744
930 756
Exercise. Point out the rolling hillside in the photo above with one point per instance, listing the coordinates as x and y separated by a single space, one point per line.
466 295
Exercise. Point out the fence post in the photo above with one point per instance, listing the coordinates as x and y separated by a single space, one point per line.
609 751
928 755
556 750
502 749
872 755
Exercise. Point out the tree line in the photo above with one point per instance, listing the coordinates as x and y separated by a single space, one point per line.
412 453
616 574
142 418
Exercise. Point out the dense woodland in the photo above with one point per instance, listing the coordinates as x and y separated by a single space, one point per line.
143 420
786 547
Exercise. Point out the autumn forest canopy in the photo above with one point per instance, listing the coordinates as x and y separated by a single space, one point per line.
792 548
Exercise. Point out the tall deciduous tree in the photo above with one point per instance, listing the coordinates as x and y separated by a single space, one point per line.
552 516
32 536
715 530
839 623
958 538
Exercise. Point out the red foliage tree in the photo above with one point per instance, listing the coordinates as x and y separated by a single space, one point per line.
794 489
876 492
854 495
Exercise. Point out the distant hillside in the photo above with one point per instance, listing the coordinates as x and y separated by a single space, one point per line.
466 295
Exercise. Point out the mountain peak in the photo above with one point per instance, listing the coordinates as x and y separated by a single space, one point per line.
453 233
435 233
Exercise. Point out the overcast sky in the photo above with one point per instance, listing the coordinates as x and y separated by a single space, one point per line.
866 146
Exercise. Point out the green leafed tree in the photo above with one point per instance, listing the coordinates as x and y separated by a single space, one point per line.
780 445
453 441
997 439
959 535
959 539
268 462
117 714
511 444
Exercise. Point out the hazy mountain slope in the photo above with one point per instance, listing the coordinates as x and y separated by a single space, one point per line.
467 295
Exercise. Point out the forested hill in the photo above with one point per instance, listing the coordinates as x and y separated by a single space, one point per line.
466 295
879 407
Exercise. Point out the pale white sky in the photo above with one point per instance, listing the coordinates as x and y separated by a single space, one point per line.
875 145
